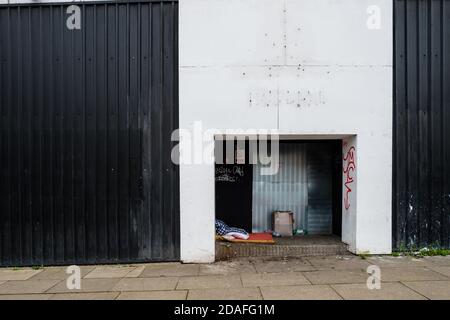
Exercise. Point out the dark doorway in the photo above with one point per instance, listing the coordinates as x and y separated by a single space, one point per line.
246 199
234 189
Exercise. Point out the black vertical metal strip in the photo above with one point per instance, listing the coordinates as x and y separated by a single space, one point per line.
446 122
167 107
156 129
134 143
5 203
145 242
4 133
175 228
124 61
36 135
423 115
90 192
412 121
26 127
436 122
101 109
59 134
400 137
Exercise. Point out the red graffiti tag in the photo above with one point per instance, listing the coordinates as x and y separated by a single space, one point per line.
349 167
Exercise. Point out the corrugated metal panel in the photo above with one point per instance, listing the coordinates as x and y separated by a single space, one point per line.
320 188
303 185
86 118
285 191
421 188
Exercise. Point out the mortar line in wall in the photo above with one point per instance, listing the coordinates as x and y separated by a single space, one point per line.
289 65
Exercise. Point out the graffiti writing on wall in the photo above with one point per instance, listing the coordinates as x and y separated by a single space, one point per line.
349 169
225 174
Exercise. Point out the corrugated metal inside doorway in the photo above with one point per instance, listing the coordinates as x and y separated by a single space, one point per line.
304 184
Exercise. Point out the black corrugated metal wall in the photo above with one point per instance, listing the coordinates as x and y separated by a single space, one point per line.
86 118
421 187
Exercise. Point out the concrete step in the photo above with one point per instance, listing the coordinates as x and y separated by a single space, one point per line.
296 248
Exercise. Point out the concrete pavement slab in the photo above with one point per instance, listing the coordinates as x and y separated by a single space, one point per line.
273 279
397 262
336 276
38 296
304 292
170 270
438 260
388 291
153 295
105 272
136 272
227 267
85 296
338 262
27 286
87 285
435 290
228 294
146 284
410 274
444 270
210 282
59 273
17 274
282 265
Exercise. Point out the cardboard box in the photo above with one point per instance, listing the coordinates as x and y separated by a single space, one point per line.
283 223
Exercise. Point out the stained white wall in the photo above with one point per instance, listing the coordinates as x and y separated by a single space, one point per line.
304 67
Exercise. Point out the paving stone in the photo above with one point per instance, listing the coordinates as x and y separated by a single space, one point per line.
170 270
153 295
273 279
59 273
397 262
445 270
228 294
304 292
410 274
104 272
38 296
87 285
136 272
28 286
345 262
336 276
388 291
438 260
282 265
85 296
19 274
436 290
227 267
210 282
146 284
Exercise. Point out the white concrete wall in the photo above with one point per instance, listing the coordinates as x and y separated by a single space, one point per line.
304 67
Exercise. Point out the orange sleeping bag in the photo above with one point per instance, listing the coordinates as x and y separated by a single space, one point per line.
254 238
